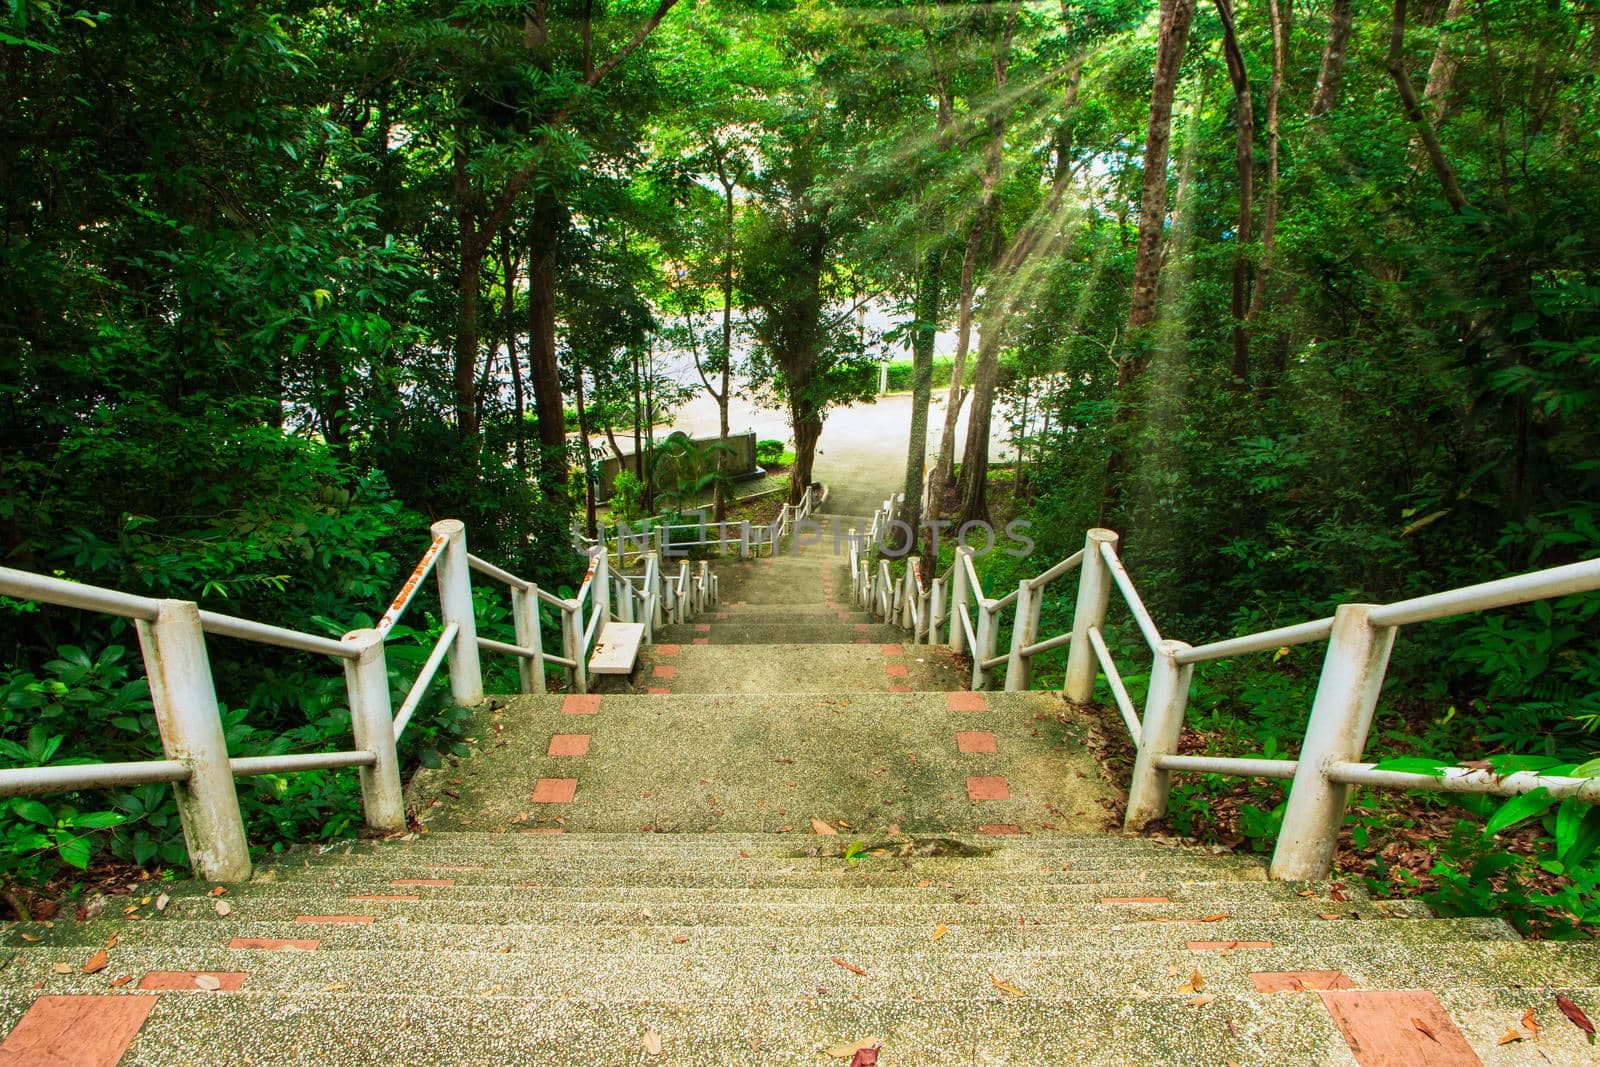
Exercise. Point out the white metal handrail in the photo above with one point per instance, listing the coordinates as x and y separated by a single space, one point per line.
172 638
1360 637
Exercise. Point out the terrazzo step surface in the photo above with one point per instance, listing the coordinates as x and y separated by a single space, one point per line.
361 953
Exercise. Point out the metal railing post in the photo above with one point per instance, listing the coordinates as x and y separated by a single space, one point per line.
366 680
455 602
185 701
936 610
600 593
1094 595
958 599
1163 723
986 641
525 618
571 644
1341 714
1024 631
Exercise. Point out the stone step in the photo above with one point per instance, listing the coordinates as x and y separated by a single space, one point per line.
496 1028
390 931
684 963
758 763
794 613
731 876
521 905
794 633
793 669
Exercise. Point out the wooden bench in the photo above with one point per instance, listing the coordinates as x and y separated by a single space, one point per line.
617 648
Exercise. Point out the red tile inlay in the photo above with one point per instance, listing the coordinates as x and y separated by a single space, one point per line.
863 627
658 691
897 670
430 883
165 980
975 741
1225 946
899 688
664 670
1398 1028
892 650
1135 900
965 701
75 1031
1299 981
999 828
666 650
355 920
554 790
544 830
569 745
702 627
275 944
385 898
702 640
581 704
988 787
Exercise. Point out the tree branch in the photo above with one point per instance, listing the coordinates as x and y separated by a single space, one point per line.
1413 107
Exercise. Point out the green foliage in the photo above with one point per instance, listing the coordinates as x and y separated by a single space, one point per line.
769 451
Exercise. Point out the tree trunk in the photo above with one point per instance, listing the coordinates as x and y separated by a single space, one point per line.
944 467
588 457
1416 114
1442 73
546 372
922 338
807 431
1327 94
720 500
975 456
976 235
519 401
1269 221
469 278
1176 15
1244 162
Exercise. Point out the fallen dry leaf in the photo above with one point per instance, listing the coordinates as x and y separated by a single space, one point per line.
1195 984
651 1043
1218 917
209 982
847 965
121 980
865 1057
30 937
162 901
1332 916
111 942
1529 1023
1575 1013
820 827
939 931
97 962
680 939
218 891
1201 1001
1427 1031
1509 1036
849 1049
62 968
1004 984
331 987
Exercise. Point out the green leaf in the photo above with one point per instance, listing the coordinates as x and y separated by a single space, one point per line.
95 820
33 811
75 851
1517 809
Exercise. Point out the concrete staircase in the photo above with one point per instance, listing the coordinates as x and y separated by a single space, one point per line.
788 836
